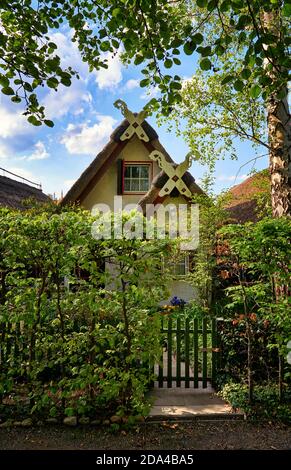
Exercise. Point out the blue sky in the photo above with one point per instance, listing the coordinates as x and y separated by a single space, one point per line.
84 117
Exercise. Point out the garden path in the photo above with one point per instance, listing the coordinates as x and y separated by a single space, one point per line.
187 403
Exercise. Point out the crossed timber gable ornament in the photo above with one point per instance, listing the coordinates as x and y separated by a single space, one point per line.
175 173
135 122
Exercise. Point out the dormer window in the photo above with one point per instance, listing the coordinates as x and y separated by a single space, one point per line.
136 177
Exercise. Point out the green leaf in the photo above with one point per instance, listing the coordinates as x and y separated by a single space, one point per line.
105 46
34 121
102 33
219 50
145 82
69 411
255 91
202 3
52 82
243 21
27 86
204 51
7 90
116 12
176 43
211 5
197 38
168 63
246 73
238 85
176 85
286 10
115 43
16 99
176 61
205 64
225 6
48 123
52 45
227 79
66 81
4 81
138 60
189 47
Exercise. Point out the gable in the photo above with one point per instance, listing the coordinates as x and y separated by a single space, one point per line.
106 185
124 167
105 161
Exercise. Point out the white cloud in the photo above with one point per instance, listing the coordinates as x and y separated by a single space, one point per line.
68 99
150 93
69 53
131 84
70 56
109 78
4 151
12 122
85 139
16 134
58 104
39 153
78 111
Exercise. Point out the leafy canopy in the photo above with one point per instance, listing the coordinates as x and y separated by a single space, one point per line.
148 32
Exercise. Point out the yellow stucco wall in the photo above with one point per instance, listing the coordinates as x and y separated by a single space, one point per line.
106 188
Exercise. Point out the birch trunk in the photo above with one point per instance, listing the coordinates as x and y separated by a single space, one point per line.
279 133
279 130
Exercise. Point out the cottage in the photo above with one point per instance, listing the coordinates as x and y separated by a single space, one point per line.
136 166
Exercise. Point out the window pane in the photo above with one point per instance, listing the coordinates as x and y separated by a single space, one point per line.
179 268
127 172
126 184
144 171
135 171
144 185
136 178
134 185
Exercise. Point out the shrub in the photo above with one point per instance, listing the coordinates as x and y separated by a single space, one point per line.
76 337
265 405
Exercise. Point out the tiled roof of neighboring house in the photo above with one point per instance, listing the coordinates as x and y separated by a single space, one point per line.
107 155
242 205
14 193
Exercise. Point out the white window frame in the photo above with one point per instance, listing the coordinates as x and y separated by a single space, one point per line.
172 265
139 179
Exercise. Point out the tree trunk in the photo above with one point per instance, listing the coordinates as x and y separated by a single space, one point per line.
279 130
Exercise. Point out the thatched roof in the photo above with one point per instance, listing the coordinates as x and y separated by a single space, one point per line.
160 180
104 159
14 193
242 205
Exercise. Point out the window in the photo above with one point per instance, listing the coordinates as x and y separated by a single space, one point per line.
179 267
136 178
